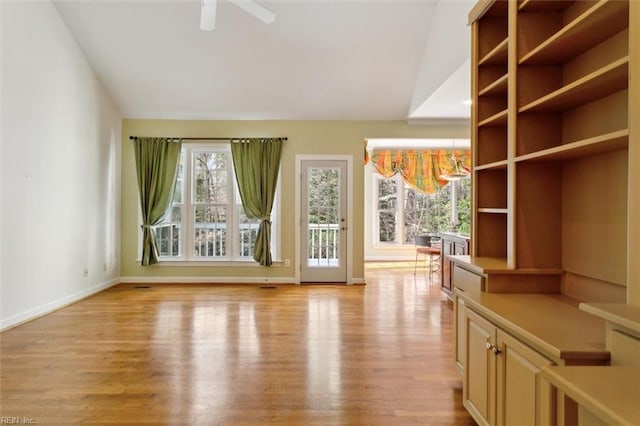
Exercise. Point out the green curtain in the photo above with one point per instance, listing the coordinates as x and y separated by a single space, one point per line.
157 167
256 163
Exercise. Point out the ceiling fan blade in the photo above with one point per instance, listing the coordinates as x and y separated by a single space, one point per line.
208 15
260 12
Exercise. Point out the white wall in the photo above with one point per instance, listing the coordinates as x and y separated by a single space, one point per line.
448 46
60 168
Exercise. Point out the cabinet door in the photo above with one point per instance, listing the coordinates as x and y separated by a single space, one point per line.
523 397
480 369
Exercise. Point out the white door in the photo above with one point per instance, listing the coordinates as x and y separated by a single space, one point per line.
323 240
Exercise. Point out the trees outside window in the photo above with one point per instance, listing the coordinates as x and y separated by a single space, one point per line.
403 212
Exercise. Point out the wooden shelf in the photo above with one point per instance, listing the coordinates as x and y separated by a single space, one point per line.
497 56
498 87
542 6
597 24
605 81
618 313
499 119
492 166
492 210
603 143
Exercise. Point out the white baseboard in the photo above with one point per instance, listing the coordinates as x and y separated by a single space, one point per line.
208 280
47 308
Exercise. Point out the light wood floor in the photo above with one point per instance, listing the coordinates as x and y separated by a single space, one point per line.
379 354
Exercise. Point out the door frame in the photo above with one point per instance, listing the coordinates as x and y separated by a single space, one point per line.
298 220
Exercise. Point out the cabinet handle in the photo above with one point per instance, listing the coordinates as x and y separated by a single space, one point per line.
492 348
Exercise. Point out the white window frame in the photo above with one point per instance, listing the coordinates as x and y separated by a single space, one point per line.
233 215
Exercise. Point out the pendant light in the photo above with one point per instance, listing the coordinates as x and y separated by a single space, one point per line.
457 171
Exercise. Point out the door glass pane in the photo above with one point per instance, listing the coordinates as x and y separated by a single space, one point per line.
323 221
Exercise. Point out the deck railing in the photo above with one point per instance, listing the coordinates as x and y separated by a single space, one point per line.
211 240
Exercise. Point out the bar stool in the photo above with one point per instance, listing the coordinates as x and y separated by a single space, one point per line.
429 245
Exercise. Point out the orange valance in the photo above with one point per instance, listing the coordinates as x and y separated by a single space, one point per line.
421 169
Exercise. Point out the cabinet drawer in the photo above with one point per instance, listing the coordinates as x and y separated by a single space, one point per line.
467 281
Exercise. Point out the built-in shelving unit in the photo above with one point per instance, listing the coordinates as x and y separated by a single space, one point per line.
555 140
556 168
550 139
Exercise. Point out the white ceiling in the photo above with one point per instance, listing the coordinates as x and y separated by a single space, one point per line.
320 59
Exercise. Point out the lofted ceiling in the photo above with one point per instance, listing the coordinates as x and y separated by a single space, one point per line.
319 60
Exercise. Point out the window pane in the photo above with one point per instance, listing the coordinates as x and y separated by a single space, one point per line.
247 233
168 233
416 213
387 194
210 180
440 207
177 193
464 205
210 231
387 231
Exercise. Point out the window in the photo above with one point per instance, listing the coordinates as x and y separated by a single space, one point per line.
402 212
206 220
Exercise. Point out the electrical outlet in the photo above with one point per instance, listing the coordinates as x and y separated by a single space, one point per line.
85 272
105 267
287 263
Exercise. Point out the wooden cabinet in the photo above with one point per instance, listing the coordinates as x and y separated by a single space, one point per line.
502 381
452 243
524 397
508 341
479 386
553 88
464 281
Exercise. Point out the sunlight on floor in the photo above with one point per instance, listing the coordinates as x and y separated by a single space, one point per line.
403 265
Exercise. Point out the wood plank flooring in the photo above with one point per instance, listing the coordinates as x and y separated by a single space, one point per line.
379 354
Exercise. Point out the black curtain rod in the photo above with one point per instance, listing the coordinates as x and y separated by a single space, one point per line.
207 139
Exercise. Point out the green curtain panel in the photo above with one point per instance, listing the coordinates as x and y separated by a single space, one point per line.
157 167
256 163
